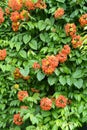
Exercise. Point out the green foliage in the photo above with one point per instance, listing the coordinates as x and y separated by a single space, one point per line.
40 36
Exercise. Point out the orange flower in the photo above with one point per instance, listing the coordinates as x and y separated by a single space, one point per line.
26 77
17 73
30 4
17 119
76 41
35 90
15 26
24 107
22 95
15 4
70 29
83 20
24 15
36 65
66 50
3 54
59 13
15 16
46 104
1 16
61 57
61 101
7 11
40 4
49 64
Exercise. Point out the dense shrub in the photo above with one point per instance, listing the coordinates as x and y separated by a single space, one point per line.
43 64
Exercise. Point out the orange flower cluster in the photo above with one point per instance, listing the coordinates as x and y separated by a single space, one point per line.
76 41
15 16
61 101
17 119
15 26
83 20
49 64
70 29
3 54
62 56
36 65
15 4
1 16
59 13
31 5
40 4
46 104
18 75
24 15
22 95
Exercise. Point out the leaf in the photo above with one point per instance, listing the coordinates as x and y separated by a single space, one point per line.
45 113
42 37
17 128
62 80
55 115
33 44
68 80
18 45
40 76
57 72
41 25
77 74
24 71
61 1
55 127
30 128
23 54
78 83
47 119
26 38
51 80
25 117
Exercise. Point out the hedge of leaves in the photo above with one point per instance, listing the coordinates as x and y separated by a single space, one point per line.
43 64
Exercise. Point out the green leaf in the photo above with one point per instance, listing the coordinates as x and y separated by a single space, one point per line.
41 25
78 83
77 74
23 54
57 72
47 119
62 80
26 38
61 1
45 113
24 71
33 44
68 80
54 114
25 117
40 76
51 80
18 45
33 119
17 128
30 128
42 37
55 127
